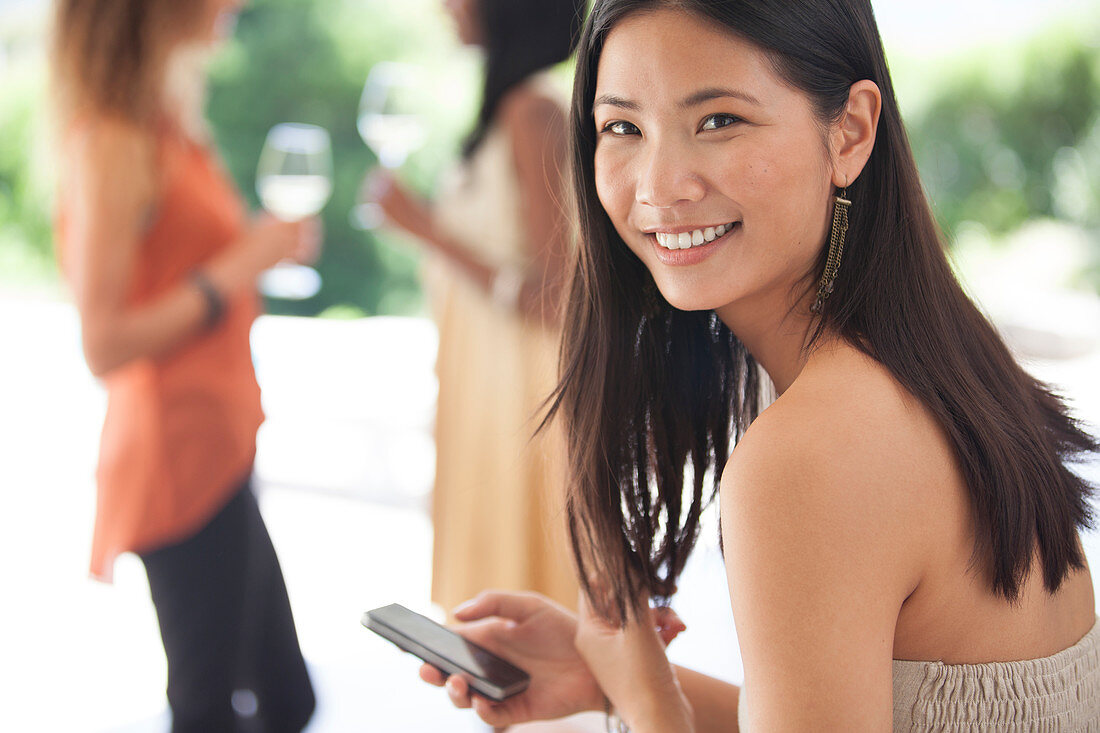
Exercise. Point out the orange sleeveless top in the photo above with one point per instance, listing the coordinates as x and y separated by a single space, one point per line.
180 430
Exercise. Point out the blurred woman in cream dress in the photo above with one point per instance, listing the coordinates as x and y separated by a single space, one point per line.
497 239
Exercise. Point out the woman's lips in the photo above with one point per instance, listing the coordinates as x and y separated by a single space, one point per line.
693 253
692 237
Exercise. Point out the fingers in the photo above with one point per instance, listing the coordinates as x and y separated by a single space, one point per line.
377 184
268 241
432 675
496 714
459 692
493 713
668 623
493 632
514 606
665 616
263 219
310 236
668 634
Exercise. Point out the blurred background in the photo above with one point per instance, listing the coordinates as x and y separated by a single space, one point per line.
1002 101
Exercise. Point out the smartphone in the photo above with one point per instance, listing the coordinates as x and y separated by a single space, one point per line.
487 674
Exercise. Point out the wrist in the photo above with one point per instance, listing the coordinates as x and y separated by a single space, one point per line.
658 719
598 702
613 722
435 239
664 709
234 269
213 300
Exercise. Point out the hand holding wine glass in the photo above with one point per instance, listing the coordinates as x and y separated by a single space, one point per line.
389 124
395 204
294 181
272 241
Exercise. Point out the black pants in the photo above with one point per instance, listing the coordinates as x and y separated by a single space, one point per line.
226 625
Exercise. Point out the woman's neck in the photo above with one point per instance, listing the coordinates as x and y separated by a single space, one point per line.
185 92
776 334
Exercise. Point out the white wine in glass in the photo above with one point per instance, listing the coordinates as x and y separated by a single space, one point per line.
294 181
389 123
294 197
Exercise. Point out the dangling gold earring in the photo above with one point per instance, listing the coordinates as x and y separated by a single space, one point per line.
841 204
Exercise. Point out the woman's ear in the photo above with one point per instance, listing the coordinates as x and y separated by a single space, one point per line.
853 136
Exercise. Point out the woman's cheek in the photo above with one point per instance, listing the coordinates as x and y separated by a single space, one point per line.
613 186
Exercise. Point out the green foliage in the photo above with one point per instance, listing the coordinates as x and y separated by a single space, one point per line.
25 226
1014 134
289 61
306 61
1001 136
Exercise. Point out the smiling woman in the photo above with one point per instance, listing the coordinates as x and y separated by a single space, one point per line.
900 526
678 156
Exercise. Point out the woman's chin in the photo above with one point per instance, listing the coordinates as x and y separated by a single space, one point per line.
690 301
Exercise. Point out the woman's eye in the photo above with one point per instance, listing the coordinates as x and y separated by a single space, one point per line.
620 128
717 122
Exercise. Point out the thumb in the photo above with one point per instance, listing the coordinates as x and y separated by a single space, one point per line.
514 606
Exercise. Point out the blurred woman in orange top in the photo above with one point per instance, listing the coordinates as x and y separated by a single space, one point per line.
162 260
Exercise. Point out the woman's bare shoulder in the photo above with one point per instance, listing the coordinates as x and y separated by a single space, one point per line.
846 447
821 547
843 402
849 406
108 134
109 150
527 106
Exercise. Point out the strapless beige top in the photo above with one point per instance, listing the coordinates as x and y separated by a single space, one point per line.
1056 693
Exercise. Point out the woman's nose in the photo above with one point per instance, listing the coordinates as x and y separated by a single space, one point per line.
668 175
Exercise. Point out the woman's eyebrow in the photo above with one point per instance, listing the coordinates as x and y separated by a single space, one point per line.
614 101
702 96
711 93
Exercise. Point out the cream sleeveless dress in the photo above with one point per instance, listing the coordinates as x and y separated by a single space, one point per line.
497 505
1056 693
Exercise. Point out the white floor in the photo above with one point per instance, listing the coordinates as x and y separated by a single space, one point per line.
345 468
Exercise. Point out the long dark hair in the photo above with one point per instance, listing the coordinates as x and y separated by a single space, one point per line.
653 396
521 37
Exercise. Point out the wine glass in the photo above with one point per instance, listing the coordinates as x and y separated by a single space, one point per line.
294 180
389 124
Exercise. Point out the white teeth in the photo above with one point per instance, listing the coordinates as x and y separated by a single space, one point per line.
686 240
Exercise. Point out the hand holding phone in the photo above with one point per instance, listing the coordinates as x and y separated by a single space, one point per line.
486 673
533 632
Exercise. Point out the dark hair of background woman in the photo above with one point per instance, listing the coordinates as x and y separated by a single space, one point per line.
652 396
521 37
